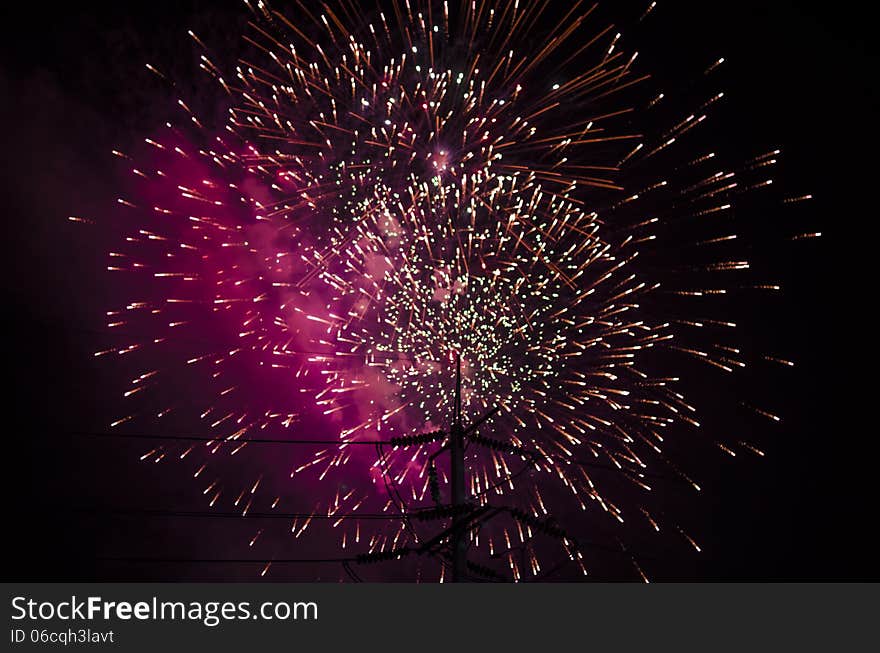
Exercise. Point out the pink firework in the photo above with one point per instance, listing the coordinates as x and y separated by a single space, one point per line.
397 188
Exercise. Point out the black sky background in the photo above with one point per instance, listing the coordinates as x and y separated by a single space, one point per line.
801 77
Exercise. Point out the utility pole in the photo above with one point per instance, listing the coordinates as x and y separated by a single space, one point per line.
453 541
459 492
456 453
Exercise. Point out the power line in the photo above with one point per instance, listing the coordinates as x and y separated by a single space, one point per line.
220 439
522 452
211 342
152 512
261 561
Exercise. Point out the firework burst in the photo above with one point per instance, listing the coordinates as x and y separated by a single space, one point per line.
396 189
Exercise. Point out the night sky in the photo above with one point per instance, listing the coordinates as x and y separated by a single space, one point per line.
73 86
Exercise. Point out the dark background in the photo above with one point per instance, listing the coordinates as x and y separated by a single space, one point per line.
800 76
